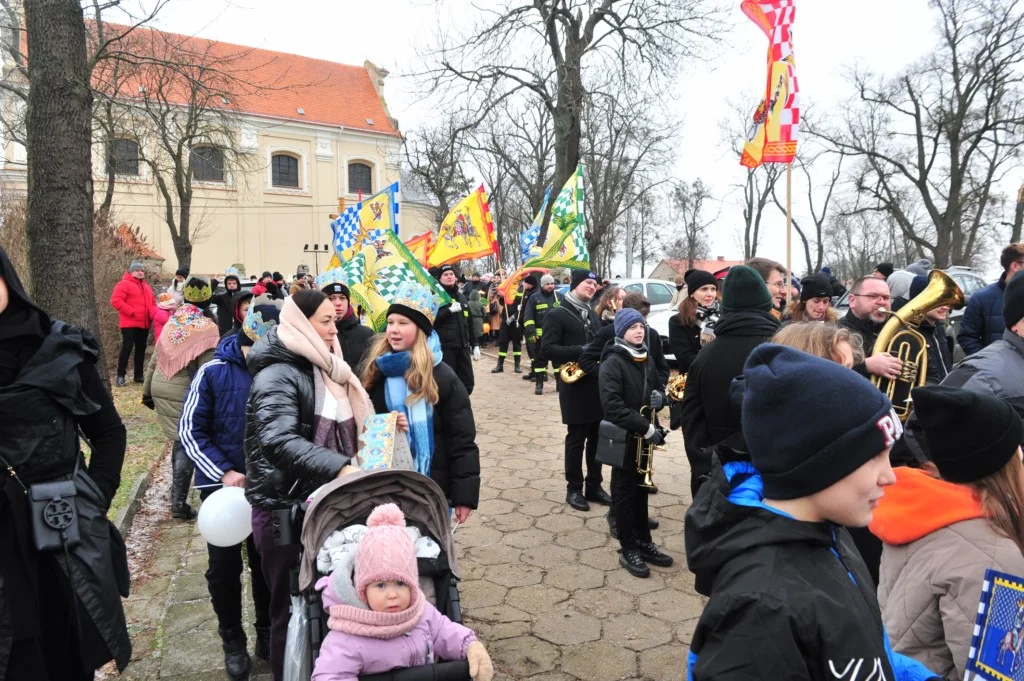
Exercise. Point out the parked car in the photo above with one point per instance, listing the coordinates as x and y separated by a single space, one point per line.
659 322
969 281
657 291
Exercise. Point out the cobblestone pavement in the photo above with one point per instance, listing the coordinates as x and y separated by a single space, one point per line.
541 582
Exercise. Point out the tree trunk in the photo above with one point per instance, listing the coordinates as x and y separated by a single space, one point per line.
1018 217
60 202
182 240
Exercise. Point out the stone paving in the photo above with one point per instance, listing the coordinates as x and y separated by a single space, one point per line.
541 582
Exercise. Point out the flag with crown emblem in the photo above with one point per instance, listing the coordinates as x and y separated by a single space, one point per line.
466 233
388 264
566 242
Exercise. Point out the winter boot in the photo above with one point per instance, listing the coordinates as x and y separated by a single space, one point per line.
119 382
180 479
518 369
539 388
500 369
262 649
237 662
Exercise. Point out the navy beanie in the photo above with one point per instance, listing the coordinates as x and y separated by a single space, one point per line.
625 318
807 456
917 284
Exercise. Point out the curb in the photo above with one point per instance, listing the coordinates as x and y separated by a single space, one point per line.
123 519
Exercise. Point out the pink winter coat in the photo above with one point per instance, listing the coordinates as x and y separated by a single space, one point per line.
160 315
343 657
133 299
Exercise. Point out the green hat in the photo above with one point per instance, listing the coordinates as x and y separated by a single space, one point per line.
744 289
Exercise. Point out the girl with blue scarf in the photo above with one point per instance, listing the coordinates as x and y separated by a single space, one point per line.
404 373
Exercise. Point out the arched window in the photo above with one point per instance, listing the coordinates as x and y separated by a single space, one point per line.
284 170
360 179
123 157
207 164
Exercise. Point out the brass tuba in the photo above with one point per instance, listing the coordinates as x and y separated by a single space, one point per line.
901 339
571 372
676 388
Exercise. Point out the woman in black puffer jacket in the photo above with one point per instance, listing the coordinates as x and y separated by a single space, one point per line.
294 442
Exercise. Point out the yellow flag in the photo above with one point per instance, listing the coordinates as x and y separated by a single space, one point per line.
466 233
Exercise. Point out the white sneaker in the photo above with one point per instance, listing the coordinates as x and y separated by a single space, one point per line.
476 353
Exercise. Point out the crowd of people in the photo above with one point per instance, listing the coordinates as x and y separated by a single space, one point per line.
845 539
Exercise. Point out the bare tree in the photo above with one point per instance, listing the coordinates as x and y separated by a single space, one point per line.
856 241
943 134
820 199
690 239
179 99
434 156
642 222
1018 217
548 46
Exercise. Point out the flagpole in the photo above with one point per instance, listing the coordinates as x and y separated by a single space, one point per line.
789 227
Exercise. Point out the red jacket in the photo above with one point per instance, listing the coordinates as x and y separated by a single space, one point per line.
133 298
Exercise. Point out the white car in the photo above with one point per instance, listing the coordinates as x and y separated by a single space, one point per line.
659 322
657 291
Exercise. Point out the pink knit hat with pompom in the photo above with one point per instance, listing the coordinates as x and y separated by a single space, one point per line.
386 552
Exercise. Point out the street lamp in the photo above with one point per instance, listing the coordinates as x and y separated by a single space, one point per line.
316 253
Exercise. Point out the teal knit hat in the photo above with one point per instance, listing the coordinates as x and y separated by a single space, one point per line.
744 289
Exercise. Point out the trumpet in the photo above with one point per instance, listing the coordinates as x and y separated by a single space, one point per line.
676 388
571 372
645 453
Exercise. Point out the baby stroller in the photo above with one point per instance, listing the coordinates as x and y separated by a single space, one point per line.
349 501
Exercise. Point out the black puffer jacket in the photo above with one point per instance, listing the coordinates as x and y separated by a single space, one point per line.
594 350
283 466
709 415
453 327
791 599
626 386
354 338
456 463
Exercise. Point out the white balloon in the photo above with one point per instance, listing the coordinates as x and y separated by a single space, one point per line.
225 518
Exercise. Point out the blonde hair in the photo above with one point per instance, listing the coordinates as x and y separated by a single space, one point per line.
797 309
820 340
1002 496
419 376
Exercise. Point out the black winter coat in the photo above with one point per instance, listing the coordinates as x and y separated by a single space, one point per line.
940 355
565 335
626 386
709 415
791 599
456 463
684 339
57 391
453 328
354 338
868 331
283 466
594 351
225 303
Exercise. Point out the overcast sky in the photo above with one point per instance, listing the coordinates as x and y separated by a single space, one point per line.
830 38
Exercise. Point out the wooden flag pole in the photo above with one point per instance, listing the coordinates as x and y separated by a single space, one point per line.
789 227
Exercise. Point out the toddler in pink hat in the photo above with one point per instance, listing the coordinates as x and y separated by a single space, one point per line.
388 623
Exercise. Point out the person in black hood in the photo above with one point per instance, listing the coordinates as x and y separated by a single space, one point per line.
791 598
50 391
453 327
223 301
354 337
708 414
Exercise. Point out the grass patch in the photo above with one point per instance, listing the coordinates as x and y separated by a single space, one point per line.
146 441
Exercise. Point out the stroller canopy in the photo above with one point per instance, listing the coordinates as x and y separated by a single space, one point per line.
352 498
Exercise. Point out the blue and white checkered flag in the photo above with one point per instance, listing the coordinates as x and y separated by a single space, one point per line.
527 240
346 230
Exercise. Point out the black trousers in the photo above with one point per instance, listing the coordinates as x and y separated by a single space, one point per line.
538 366
133 339
629 505
580 441
510 332
224 581
461 361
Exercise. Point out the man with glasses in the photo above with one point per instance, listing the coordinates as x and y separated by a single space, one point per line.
774 276
982 322
870 302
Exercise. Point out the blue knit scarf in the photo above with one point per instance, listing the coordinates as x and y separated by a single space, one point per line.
420 413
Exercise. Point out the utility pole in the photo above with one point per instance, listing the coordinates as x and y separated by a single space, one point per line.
630 243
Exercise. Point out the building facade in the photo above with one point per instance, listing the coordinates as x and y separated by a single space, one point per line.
318 134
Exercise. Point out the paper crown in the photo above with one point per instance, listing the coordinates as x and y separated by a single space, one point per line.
335 276
254 327
197 290
231 272
417 297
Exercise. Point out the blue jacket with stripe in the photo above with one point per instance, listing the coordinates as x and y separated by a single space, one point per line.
212 426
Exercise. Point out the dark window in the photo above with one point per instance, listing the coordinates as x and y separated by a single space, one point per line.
659 294
359 179
285 170
207 164
123 157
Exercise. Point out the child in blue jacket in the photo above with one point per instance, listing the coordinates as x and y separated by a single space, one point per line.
212 432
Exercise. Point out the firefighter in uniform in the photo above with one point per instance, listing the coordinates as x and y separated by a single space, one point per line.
536 308
453 327
510 326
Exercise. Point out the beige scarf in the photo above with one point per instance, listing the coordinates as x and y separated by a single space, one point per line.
298 335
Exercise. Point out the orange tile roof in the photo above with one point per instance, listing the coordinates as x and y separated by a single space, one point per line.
276 84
